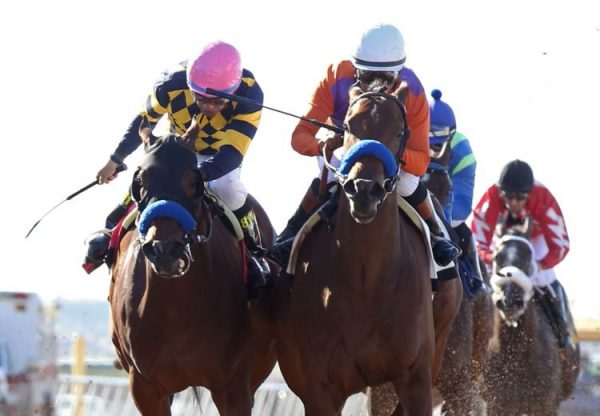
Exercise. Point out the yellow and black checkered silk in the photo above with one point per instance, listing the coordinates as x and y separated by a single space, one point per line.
235 125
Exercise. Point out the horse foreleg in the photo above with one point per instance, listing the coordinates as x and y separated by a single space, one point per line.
446 305
321 401
234 398
414 391
150 399
482 315
263 342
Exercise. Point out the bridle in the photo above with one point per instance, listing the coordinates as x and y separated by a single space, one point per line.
341 176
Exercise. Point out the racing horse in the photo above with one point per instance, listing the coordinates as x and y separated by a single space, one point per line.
462 366
178 298
359 310
523 370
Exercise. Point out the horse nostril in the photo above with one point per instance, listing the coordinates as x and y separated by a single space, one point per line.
176 249
160 247
377 191
350 187
149 251
155 249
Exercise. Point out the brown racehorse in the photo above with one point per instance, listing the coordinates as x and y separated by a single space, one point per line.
178 300
462 367
360 311
446 307
523 372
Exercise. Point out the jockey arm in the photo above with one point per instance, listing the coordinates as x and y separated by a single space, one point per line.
485 217
416 155
547 213
462 168
321 107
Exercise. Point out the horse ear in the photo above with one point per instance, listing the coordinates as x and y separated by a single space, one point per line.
354 92
191 134
401 92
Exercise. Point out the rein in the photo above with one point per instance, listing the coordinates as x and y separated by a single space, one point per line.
392 180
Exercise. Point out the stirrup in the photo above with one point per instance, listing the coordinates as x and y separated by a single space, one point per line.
289 232
258 276
280 252
444 251
97 249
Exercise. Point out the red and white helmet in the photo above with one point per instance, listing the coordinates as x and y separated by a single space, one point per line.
218 67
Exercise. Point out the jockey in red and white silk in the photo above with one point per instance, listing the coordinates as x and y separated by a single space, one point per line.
548 223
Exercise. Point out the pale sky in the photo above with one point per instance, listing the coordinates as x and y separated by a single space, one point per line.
521 76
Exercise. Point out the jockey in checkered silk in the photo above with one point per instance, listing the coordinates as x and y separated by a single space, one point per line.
518 195
379 55
225 130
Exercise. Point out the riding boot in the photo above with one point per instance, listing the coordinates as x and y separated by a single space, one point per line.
258 268
280 252
466 242
310 202
118 212
477 277
97 243
565 326
444 251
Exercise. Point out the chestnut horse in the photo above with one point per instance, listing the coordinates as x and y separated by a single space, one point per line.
360 311
523 372
178 298
461 374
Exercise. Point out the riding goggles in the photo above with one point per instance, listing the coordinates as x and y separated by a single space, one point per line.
439 134
519 196
202 99
368 77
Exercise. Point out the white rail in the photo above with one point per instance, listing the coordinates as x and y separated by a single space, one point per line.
109 396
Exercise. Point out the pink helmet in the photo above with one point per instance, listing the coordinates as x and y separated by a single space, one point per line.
218 67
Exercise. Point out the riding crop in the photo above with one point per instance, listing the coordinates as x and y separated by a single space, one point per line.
120 168
252 102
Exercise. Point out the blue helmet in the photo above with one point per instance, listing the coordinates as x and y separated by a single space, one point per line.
442 124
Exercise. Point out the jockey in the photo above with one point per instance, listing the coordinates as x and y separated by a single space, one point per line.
379 55
517 196
453 148
225 131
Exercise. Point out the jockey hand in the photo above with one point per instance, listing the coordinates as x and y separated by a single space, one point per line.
108 172
331 142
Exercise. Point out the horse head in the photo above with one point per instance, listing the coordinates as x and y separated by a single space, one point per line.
375 136
166 188
513 266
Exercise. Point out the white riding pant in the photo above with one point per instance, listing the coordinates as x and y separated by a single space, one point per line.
543 277
228 187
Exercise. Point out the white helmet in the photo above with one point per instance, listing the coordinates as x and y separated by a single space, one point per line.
381 48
